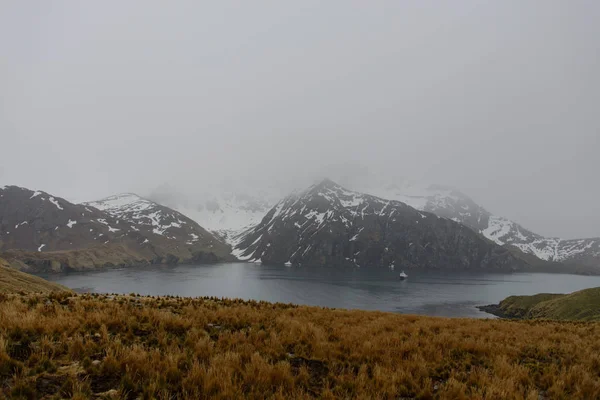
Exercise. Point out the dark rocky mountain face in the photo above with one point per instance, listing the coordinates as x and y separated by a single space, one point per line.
122 230
580 255
329 225
38 221
459 207
231 211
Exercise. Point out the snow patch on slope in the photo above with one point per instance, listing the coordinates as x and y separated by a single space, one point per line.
53 201
498 227
151 218
133 208
451 203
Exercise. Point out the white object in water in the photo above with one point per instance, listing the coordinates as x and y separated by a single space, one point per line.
403 276
288 264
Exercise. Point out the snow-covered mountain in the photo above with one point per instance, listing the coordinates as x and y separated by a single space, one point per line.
37 221
142 214
329 225
225 211
48 232
159 223
235 209
227 214
453 204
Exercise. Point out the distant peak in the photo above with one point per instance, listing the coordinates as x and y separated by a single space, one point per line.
327 183
14 187
326 187
117 200
129 194
121 196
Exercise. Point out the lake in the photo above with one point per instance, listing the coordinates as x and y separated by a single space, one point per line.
449 294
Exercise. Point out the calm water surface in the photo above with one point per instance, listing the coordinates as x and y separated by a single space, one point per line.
448 294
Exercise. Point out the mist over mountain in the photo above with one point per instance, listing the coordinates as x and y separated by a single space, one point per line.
229 210
233 199
328 225
496 100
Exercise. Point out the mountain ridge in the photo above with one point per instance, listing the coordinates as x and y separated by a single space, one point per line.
583 255
328 224
44 232
452 203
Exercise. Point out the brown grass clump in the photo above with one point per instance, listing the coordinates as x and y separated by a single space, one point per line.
100 346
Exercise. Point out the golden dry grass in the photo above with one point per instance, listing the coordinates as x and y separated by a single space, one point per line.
86 346
13 281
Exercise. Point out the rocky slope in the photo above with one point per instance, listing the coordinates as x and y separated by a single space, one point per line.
155 222
229 209
38 221
451 203
48 232
329 225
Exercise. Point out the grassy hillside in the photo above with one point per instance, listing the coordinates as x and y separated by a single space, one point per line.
82 346
81 259
111 255
583 305
13 281
519 306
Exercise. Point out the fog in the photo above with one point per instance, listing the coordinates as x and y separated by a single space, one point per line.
498 99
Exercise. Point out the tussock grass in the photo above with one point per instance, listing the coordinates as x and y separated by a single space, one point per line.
100 346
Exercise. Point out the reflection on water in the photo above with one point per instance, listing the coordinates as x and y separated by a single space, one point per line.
451 294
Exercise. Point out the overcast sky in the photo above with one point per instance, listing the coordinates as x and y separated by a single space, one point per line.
500 99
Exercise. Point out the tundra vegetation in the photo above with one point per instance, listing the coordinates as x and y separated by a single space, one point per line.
583 305
13 281
68 345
